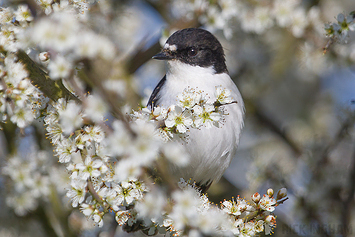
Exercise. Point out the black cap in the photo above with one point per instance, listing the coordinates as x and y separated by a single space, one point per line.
196 47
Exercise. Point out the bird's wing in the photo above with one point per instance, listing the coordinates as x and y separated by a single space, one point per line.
153 100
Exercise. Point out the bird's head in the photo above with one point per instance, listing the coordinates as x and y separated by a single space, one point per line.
195 47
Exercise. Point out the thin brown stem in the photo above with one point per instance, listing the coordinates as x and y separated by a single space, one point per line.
92 191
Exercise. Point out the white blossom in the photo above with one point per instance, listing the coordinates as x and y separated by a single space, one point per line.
22 204
70 117
247 229
87 45
77 192
94 133
189 98
95 108
87 209
23 13
8 38
236 207
299 22
90 168
206 116
262 21
46 5
145 147
128 192
179 119
41 187
267 203
59 68
119 139
98 218
270 222
159 113
126 169
6 15
223 95
152 206
112 197
16 70
185 209
64 150
283 11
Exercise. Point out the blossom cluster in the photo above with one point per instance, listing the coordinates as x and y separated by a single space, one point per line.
33 176
94 185
250 218
105 171
263 18
191 111
20 101
220 15
90 154
69 43
192 213
340 30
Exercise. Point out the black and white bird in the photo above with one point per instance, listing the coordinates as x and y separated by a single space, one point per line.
195 59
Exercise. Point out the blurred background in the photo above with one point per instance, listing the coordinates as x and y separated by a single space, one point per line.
300 112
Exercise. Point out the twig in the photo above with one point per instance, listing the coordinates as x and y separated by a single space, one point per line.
142 56
89 75
324 156
327 46
85 104
271 124
252 215
162 167
281 201
95 195
50 88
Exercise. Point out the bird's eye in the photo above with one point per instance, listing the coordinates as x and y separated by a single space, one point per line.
192 52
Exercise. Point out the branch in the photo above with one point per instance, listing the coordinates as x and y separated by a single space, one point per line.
142 56
324 156
281 201
90 74
50 88
275 128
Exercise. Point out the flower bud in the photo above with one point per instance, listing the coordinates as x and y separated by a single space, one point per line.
270 192
44 56
255 197
281 193
270 219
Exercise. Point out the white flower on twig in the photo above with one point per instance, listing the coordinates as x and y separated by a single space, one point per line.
206 116
179 118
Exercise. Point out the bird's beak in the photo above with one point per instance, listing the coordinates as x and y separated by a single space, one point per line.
163 55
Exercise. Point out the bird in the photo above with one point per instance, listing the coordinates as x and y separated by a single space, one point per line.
195 59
